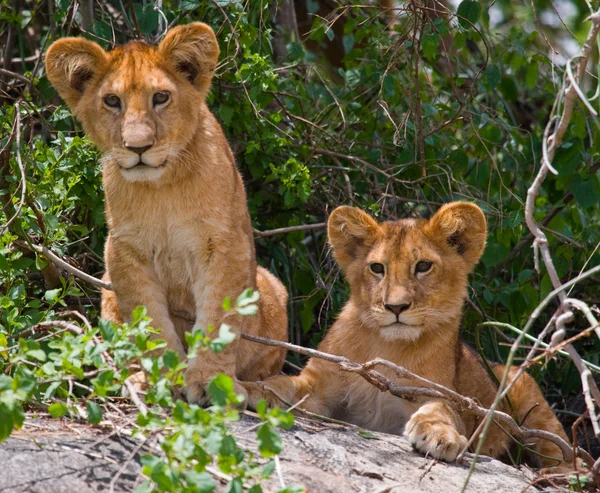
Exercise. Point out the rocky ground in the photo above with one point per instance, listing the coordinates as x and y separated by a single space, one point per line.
55 456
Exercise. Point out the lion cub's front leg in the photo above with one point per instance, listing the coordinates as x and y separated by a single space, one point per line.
226 278
435 429
135 283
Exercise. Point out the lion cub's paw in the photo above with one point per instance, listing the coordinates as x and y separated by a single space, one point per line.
195 393
256 393
433 437
136 380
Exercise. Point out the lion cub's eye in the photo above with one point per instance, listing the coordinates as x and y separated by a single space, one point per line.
112 101
423 266
377 268
160 98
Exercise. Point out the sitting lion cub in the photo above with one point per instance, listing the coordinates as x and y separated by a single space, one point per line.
409 281
180 239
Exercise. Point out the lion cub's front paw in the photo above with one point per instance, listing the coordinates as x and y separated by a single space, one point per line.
195 393
137 381
433 437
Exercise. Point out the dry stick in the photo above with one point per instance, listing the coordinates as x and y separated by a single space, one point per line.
432 390
484 425
289 229
99 283
589 390
14 75
541 241
55 259
44 326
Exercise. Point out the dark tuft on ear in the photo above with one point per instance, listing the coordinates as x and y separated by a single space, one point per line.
80 77
71 63
461 226
189 70
193 51
351 230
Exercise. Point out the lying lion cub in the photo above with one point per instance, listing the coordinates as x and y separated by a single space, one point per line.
409 281
180 239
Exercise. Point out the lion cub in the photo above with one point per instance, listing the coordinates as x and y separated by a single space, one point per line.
180 239
408 283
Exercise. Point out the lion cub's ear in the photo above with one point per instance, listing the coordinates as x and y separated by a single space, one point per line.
193 51
351 230
71 63
462 226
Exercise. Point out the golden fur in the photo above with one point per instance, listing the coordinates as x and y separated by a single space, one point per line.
180 238
409 312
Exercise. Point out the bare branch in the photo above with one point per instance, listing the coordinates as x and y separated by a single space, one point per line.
55 259
432 390
289 229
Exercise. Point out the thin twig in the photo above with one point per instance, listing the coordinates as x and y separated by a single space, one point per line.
55 259
432 390
289 229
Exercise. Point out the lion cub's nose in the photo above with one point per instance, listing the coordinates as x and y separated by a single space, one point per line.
397 309
138 150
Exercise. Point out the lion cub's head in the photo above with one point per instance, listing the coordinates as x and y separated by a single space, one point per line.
139 103
408 277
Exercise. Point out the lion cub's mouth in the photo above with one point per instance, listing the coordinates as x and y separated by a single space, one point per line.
142 165
400 331
397 324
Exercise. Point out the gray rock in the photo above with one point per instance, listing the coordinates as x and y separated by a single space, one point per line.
324 458
337 459
59 463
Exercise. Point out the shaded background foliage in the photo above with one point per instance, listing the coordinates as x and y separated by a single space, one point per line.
395 110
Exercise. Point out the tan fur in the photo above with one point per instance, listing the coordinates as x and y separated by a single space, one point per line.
180 238
424 338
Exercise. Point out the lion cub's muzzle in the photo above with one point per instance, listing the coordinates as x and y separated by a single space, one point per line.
149 156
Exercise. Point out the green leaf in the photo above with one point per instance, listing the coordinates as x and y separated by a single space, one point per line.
430 44
220 389
531 75
3 263
107 330
3 347
94 412
5 382
269 442
6 422
261 409
202 482
57 409
515 218
170 359
190 5
40 263
227 304
492 76
52 295
586 192
225 337
509 89
525 275
248 297
226 114
248 310
367 434
468 13
235 486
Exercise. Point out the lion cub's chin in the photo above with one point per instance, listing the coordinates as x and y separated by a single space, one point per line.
400 332
142 172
